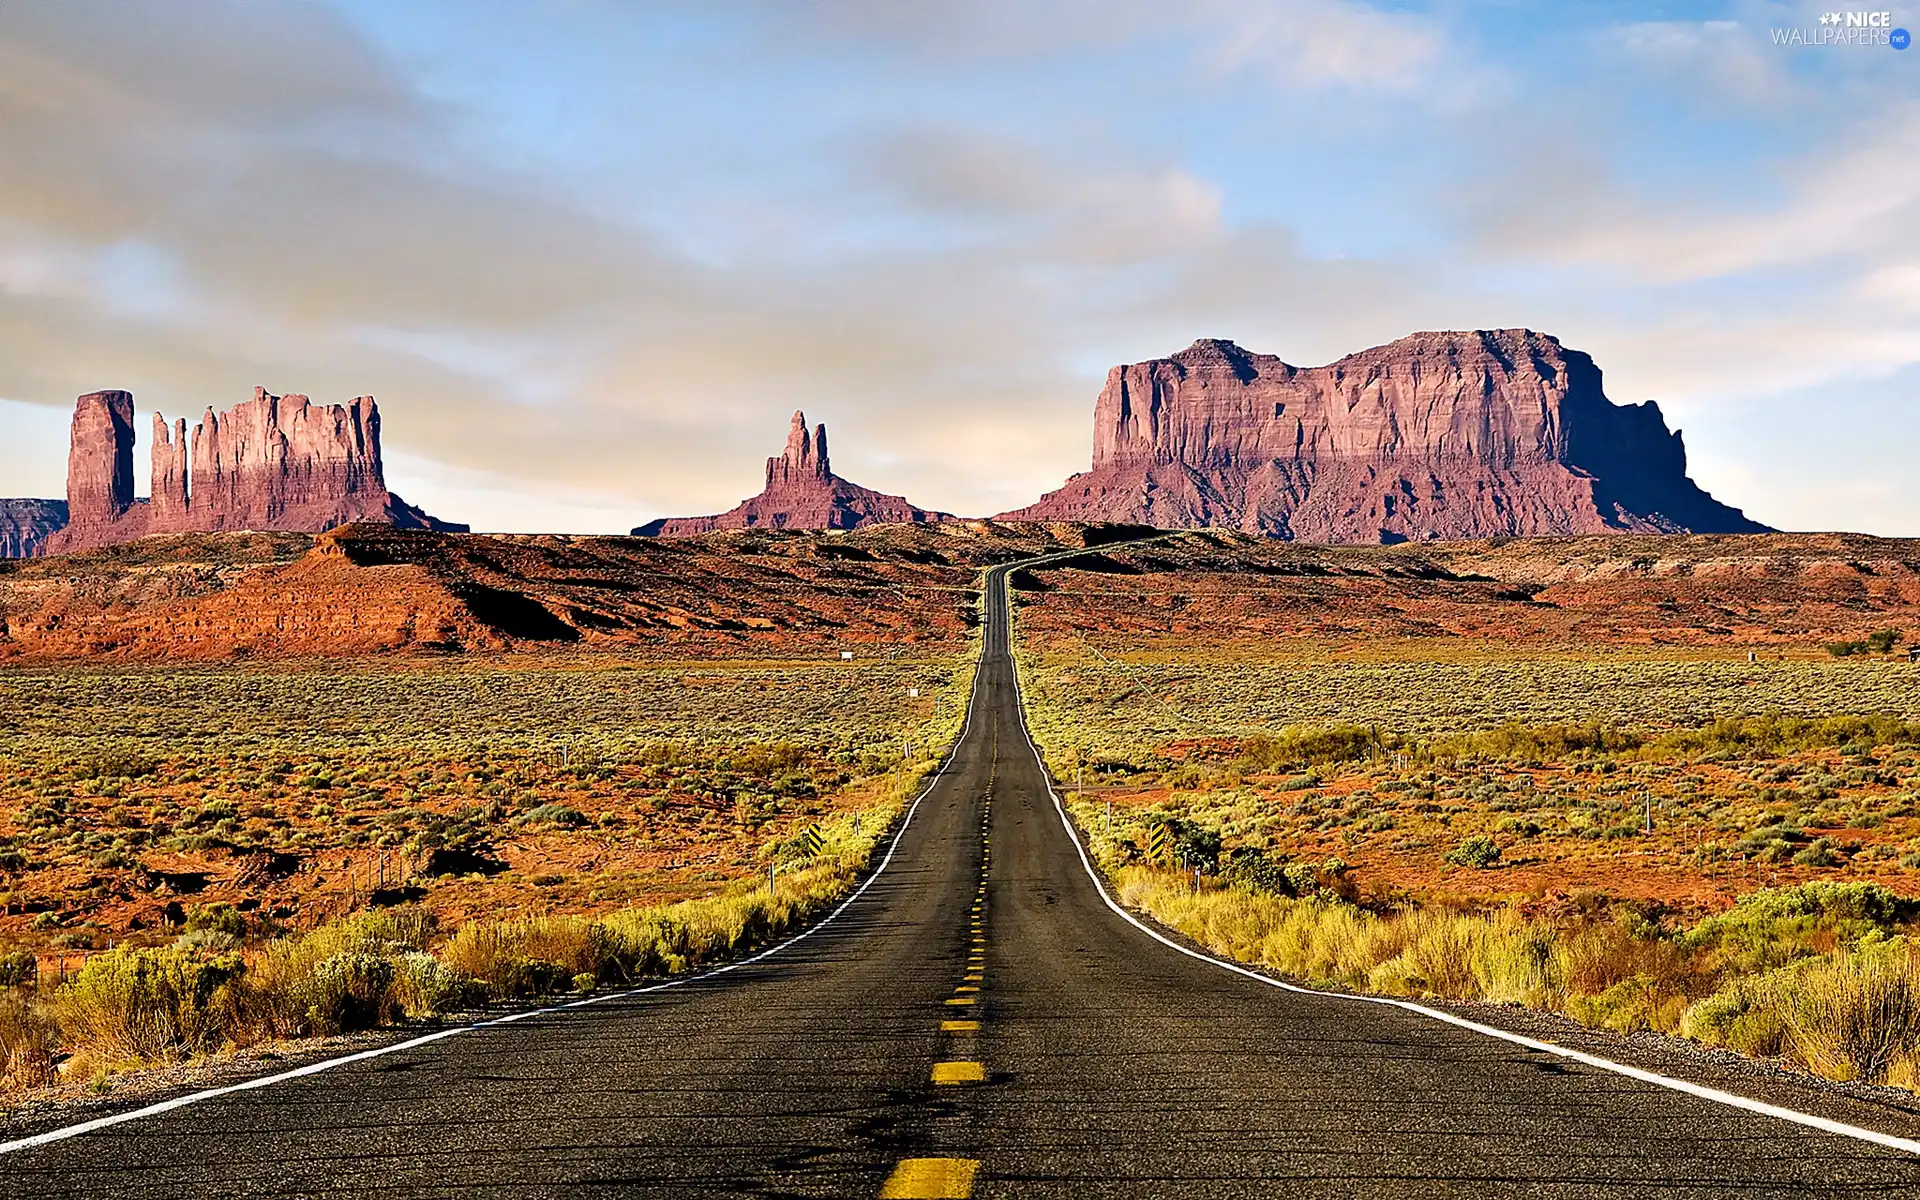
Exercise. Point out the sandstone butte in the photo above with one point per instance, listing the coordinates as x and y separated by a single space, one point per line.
271 463
801 492
1437 436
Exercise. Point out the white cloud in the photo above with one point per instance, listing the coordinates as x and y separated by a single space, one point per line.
1327 43
1717 63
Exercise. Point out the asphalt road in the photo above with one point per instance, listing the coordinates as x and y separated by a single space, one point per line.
1084 1059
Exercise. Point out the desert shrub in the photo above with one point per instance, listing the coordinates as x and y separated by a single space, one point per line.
1519 742
19 968
1437 961
1252 868
1772 842
1637 1003
556 814
217 918
1776 926
325 981
1854 1015
115 764
526 957
1479 852
1602 956
1819 853
1783 735
1308 746
28 1041
150 1004
423 986
349 991
1744 1015
1521 962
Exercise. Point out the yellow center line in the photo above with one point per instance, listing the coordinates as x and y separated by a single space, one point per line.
959 1026
950 1073
962 1000
931 1179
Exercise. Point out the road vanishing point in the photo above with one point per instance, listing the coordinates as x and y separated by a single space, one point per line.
978 1020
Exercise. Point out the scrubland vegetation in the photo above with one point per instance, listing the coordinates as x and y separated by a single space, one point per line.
201 859
208 990
1642 840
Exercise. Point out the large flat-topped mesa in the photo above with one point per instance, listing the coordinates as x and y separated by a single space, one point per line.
1436 436
273 462
801 492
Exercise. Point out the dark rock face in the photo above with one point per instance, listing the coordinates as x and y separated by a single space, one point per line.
1435 436
26 524
801 492
272 463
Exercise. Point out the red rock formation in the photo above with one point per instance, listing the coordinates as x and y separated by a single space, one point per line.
280 462
801 492
1435 436
25 524
272 463
100 458
169 473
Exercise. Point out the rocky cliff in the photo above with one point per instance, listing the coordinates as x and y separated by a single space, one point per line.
1435 436
801 492
25 524
271 463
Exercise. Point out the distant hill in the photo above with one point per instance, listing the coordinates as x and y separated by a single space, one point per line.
372 589
25 525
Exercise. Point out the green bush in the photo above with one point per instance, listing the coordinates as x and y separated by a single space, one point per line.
1819 853
1304 746
217 918
556 814
350 991
1478 852
1630 1006
423 986
1776 926
1744 1015
19 968
151 1004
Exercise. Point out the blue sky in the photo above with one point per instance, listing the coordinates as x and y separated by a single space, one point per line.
590 256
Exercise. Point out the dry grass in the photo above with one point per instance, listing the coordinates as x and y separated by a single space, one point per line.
1850 1012
141 1005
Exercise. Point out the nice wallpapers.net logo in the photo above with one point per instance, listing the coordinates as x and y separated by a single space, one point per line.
1846 29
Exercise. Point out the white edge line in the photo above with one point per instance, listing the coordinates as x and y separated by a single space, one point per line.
164 1106
1824 1124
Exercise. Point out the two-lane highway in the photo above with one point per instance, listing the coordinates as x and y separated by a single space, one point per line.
978 1021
